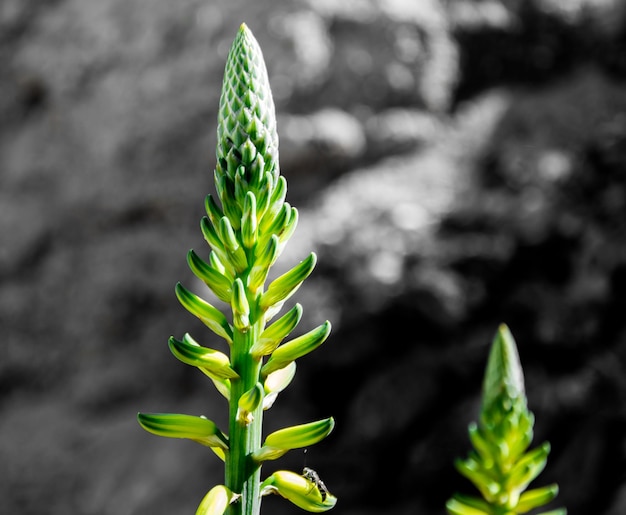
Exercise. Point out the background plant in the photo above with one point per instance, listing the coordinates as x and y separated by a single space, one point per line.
247 231
500 466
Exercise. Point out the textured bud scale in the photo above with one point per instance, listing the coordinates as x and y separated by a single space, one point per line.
247 139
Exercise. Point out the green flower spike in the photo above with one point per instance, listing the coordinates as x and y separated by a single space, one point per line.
500 466
247 226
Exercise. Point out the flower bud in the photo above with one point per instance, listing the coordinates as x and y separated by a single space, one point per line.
212 317
528 467
275 223
537 497
225 187
301 491
217 282
273 335
216 501
263 196
213 211
287 284
296 348
212 238
240 307
289 227
294 437
249 402
503 375
249 221
277 199
190 352
174 425
467 505
276 382
264 258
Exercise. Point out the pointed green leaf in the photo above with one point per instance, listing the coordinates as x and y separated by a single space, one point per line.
174 425
190 352
296 348
212 317
273 335
216 281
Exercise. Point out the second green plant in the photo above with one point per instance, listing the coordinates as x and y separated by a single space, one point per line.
247 228
501 467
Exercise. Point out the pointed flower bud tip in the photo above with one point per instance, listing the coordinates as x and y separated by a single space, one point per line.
503 374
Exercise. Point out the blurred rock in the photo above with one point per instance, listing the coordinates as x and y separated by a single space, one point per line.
456 165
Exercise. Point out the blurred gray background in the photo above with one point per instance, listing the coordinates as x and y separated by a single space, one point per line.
456 164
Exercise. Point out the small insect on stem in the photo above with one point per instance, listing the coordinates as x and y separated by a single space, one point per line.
311 475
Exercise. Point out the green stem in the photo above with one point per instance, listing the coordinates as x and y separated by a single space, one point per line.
242 474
